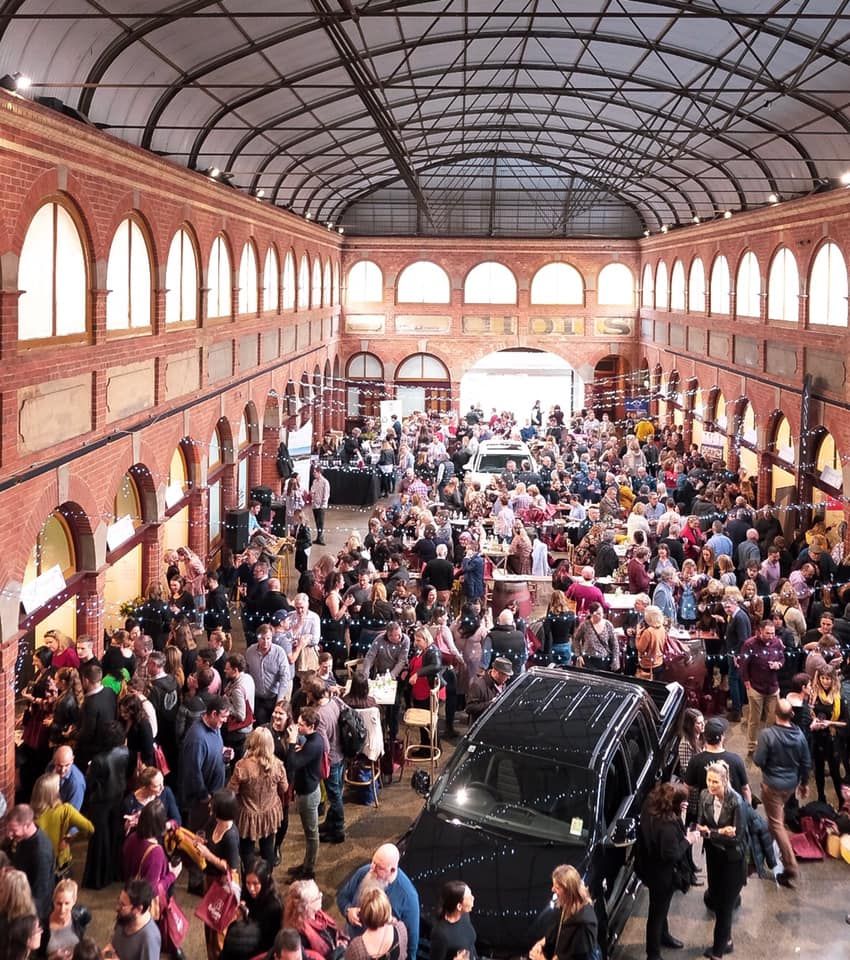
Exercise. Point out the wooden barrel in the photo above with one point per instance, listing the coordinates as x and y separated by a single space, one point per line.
506 591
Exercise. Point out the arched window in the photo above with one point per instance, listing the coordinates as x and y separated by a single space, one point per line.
219 280
365 283
52 277
316 292
783 287
647 294
335 298
720 285
677 286
422 366
181 280
327 291
489 282
270 280
557 283
828 288
304 283
748 287
128 279
248 280
53 548
364 366
696 287
364 389
423 282
289 282
661 290
615 286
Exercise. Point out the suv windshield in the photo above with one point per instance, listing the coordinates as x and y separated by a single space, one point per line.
519 793
496 462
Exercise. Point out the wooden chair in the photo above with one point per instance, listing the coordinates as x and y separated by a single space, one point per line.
370 757
417 719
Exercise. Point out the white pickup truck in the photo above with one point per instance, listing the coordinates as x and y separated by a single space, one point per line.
492 456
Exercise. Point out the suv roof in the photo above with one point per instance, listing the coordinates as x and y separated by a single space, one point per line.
558 713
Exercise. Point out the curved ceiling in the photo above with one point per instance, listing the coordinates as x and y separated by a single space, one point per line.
463 117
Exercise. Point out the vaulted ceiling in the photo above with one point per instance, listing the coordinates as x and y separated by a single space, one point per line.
463 117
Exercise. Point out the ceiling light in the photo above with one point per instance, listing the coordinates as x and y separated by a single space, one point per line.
727 215
261 194
696 219
22 81
845 178
15 82
772 198
308 216
330 224
214 172
341 230
646 233
664 228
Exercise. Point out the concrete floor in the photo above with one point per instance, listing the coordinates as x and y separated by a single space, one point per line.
772 924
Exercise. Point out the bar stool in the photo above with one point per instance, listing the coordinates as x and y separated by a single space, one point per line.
417 719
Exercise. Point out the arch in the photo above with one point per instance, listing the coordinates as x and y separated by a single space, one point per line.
303 283
662 291
220 278
129 288
615 286
288 281
828 287
364 374
677 286
305 399
557 283
611 386
490 282
271 280
719 294
249 280
53 273
748 287
181 277
780 441
696 286
249 426
647 287
423 282
364 283
783 287
271 410
423 382
364 366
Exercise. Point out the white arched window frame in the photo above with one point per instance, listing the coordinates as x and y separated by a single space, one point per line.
289 282
128 279
335 298
365 283
719 302
783 287
696 287
490 282
304 283
271 272
677 286
316 289
364 366
327 285
557 283
422 366
828 288
748 287
661 288
214 458
52 277
181 280
219 280
248 280
423 282
647 288
615 286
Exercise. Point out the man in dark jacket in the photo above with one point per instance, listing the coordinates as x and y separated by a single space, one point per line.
504 640
100 707
782 755
484 689
607 561
32 852
439 574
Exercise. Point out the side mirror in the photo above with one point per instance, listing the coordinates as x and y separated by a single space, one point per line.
421 783
624 833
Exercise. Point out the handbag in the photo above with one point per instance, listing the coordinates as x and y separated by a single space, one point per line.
176 923
308 659
234 725
159 760
219 907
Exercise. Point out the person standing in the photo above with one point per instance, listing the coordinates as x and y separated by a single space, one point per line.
738 631
573 937
270 668
307 748
100 708
320 495
453 932
762 657
722 825
136 936
666 847
783 756
329 709
32 852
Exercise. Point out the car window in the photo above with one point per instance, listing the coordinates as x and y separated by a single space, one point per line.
637 747
617 787
494 462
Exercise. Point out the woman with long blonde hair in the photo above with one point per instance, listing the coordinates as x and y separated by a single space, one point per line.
56 818
574 933
260 785
174 665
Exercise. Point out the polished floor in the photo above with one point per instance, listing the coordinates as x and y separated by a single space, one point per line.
773 923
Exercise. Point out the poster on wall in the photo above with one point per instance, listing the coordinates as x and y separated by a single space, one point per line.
713 446
42 589
388 408
300 444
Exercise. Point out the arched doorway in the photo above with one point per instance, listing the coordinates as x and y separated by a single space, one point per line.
514 379
364 376
611 387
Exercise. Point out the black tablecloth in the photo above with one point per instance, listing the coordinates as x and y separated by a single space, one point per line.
353 488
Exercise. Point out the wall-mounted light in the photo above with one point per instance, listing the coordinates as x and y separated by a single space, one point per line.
646 233
727 215
845 178
214 173
773 198
308 216
16 82
330 224
664 228
696 219
341 230
260 194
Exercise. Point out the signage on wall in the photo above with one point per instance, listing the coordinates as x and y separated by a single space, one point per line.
612 326
42 589
120 532
832 477
713 446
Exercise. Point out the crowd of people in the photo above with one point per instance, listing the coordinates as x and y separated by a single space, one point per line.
174 751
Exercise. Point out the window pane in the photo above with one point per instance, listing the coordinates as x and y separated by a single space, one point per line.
647 297
248 280
783 287
215 511
117 277
242 483
364 366
140 279
336 284
490 283
696 287
219 280
424 282
70 276
174 279
365 283
270 272
828 288
288 282
303 284
616 285
35 305
316 293
748 289
677 286
188 279
215 450
327 292
661 287
557 283
720 286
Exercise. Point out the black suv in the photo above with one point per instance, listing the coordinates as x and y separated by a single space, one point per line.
554 772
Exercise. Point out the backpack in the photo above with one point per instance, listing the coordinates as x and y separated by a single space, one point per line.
352 733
